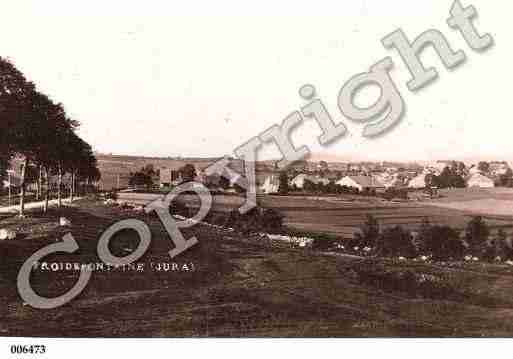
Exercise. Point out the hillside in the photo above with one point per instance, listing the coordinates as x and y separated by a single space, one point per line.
240 285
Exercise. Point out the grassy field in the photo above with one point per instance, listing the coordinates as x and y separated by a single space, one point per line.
343 215
343 218
244 286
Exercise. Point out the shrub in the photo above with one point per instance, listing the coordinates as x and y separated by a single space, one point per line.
476 233
396 241
443 242
256 220
368 234
498 246
272 219
283 187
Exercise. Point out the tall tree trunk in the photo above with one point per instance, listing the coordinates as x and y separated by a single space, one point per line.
72 187
47 191
59 184
23 186
39 191
10 188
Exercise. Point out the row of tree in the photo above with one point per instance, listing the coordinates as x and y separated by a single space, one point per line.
39 131
440 241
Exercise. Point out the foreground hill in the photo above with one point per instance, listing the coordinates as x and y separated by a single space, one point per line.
239 285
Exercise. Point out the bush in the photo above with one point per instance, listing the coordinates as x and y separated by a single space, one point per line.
256 220
396 242
272 219
392 193
368 234
498 246
443 242
476 233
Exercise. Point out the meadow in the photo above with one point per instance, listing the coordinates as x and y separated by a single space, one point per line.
243 286
342 215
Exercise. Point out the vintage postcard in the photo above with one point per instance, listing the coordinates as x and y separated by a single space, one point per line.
333 169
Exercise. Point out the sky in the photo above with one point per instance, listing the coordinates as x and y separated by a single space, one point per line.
200 78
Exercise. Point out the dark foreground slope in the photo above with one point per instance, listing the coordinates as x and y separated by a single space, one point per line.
242 286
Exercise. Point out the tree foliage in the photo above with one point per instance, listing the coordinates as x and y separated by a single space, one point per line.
187 172
476 232
38 130
283 186
450 177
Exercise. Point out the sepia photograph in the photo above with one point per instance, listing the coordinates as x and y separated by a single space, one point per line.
322 172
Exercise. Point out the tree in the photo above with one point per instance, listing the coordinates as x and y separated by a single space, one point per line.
499 246
424 235
16 133
323 167
283 186
187 172
141 178
443 242
483 167
56 150
37 130
309 186
506 179
448 178
430 180
149 169
369 232
461 169
396 241
476 232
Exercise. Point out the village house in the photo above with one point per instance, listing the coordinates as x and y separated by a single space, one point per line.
362 183
479 180
389 180
498 168
271 184
299 180
419 181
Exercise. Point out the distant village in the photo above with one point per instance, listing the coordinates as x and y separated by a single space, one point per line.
121 172
329 177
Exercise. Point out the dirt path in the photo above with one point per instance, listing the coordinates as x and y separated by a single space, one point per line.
33 205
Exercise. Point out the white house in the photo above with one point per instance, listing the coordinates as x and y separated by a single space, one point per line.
389 180
418 182
271 184
479 180
362 183
299 180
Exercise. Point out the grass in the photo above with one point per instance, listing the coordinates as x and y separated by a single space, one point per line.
242 286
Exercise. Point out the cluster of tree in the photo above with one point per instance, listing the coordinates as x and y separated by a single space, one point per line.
187 172
309 186
484 167
328 188
143 177
38 130
451 177
392 193
503 180
283 184
440 241
506 179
